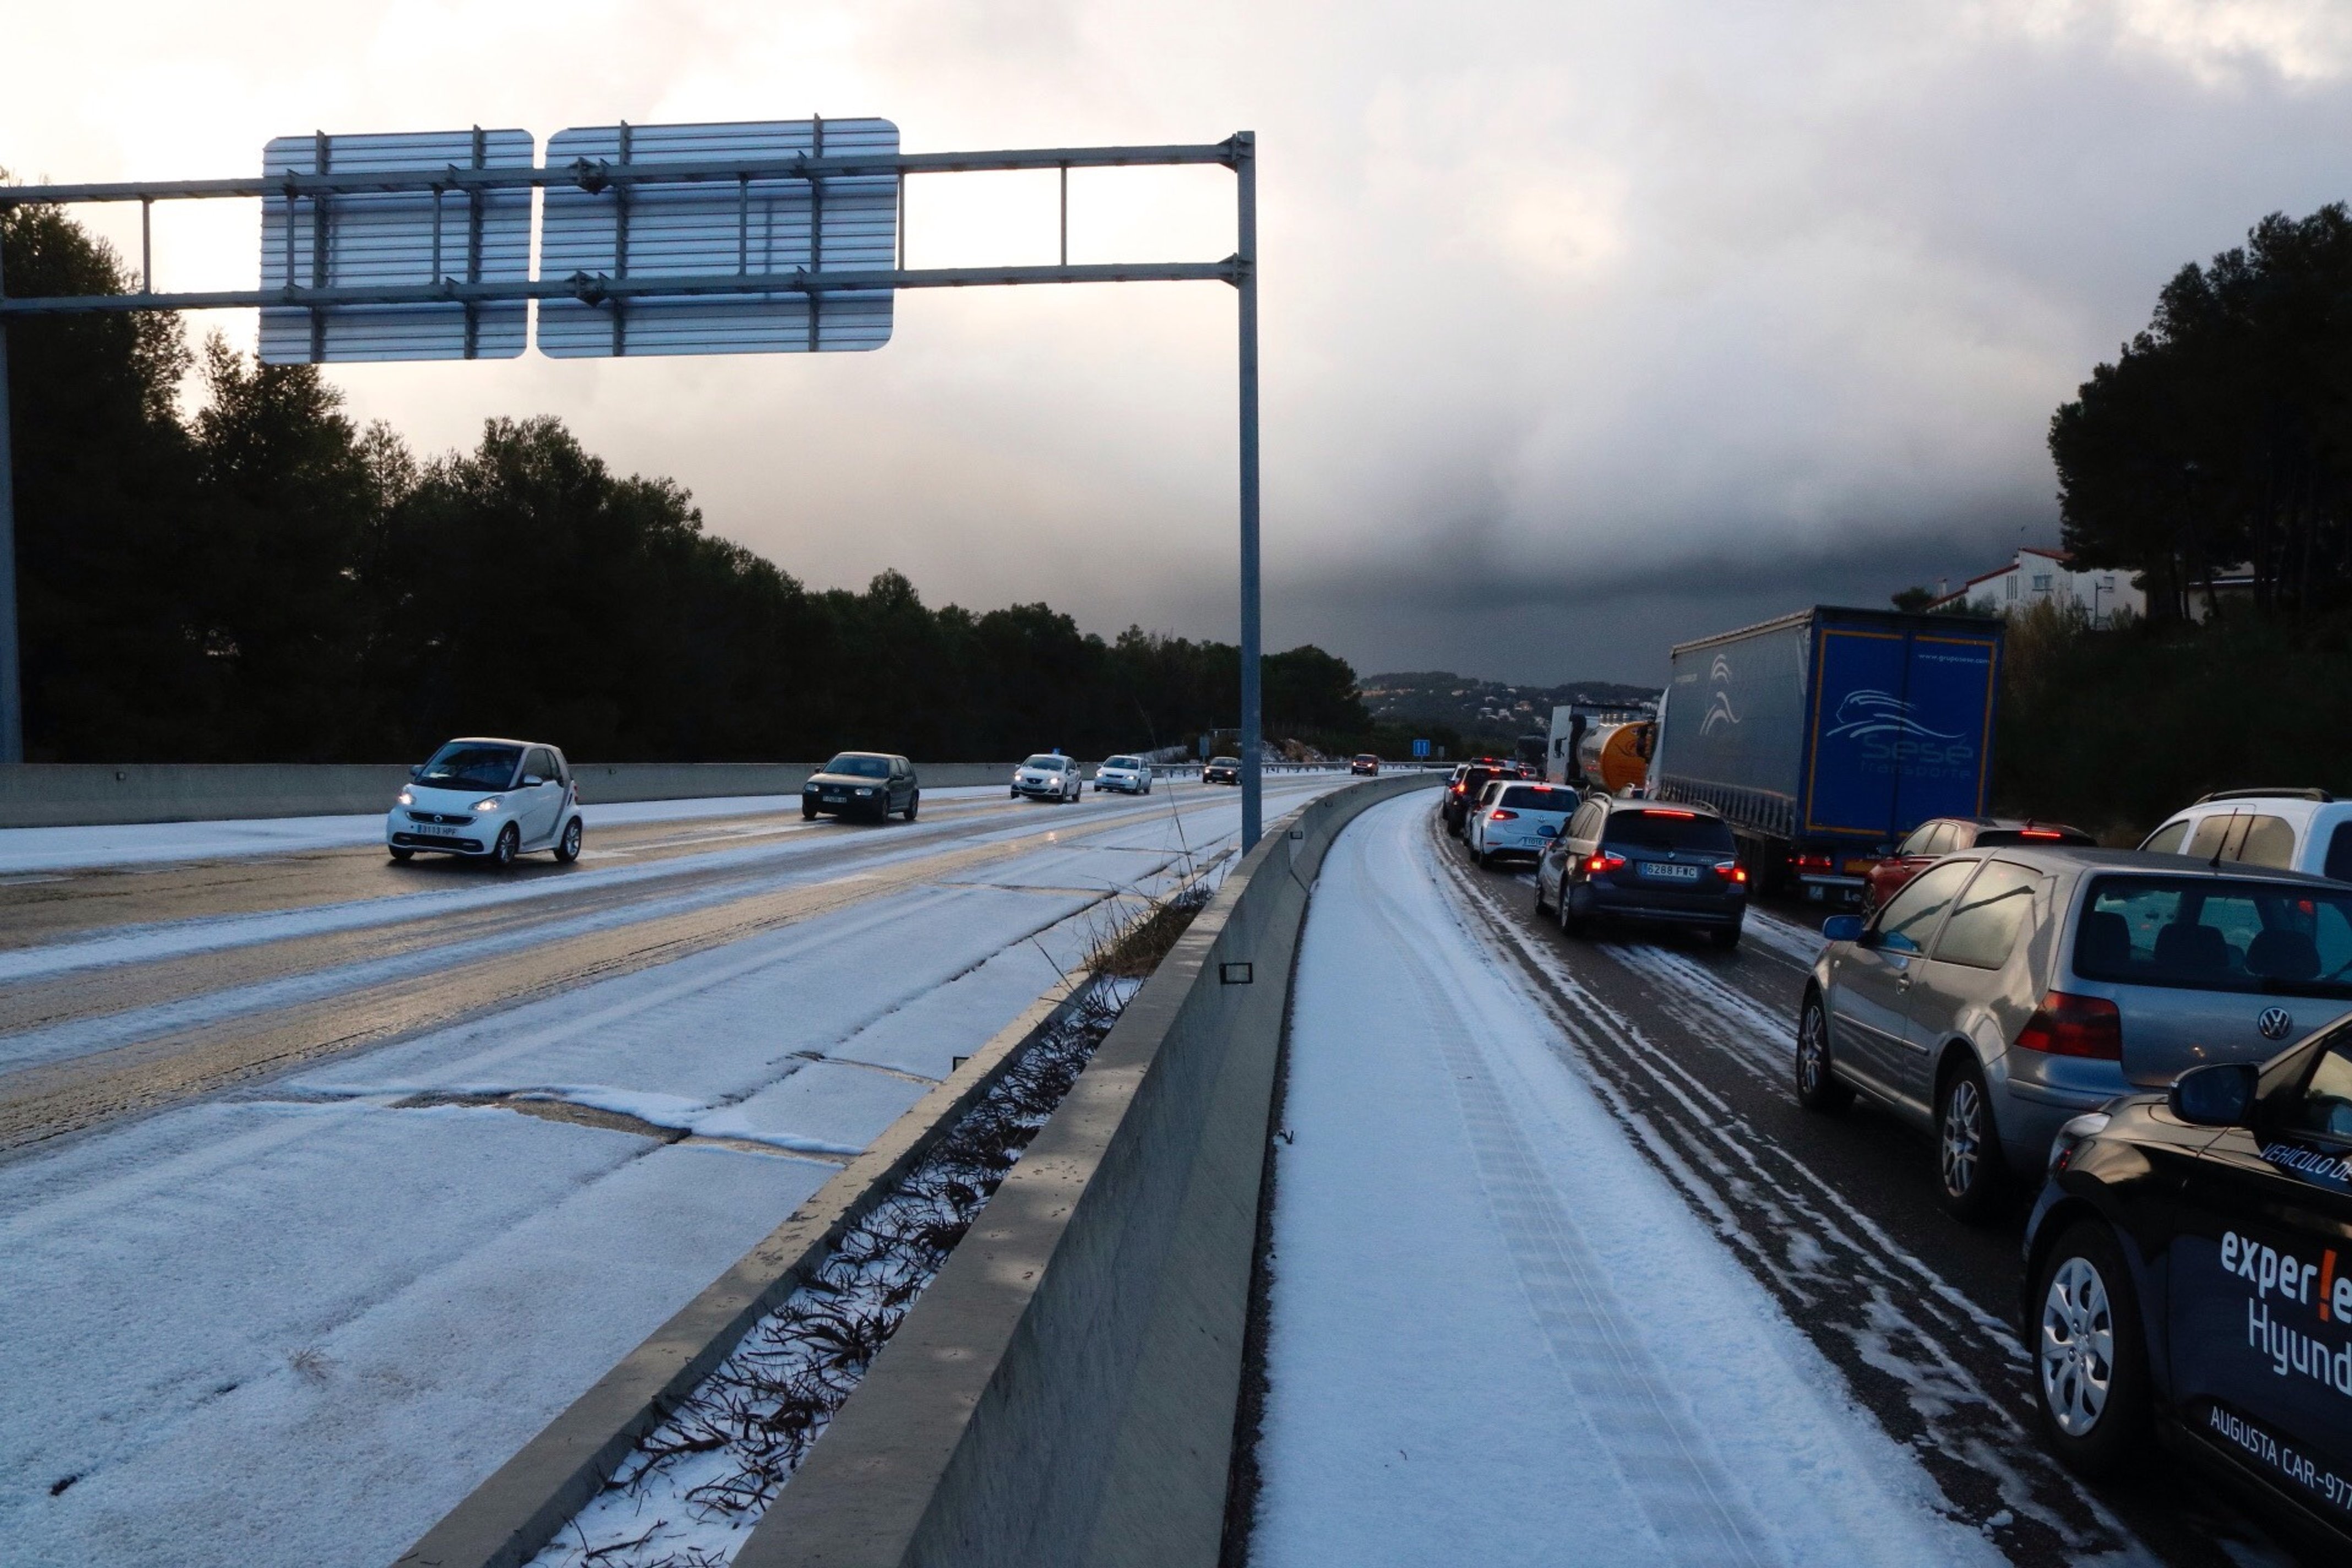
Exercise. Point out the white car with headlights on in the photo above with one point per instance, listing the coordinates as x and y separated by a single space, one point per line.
489 799
1128 775
1048 775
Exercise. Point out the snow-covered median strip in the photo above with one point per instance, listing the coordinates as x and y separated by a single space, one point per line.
1497 1335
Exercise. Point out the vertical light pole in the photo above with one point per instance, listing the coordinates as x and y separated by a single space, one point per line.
12 685
1253 781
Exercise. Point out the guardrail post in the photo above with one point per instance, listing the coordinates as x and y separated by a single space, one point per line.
1245 253
12 686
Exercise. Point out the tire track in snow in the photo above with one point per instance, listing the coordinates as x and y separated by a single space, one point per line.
1662 1457
1909 1343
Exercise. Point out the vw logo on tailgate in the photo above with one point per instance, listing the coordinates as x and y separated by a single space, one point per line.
2276 1022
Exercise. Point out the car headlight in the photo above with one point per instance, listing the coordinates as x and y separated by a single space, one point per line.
808 789
404 798
865 792
2072 1136
490 804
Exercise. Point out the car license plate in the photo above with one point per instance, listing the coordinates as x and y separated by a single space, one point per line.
1665 871
835 797
1860 866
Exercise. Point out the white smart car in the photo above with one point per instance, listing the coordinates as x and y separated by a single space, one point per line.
1049 775
1128 775
490 799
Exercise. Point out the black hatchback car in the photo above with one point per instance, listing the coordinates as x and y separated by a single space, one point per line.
862 783
1640 860
2188 1267
1464 791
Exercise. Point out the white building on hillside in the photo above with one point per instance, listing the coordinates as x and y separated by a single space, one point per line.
2043 576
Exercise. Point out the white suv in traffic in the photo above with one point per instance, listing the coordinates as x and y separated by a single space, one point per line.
1130 775
2290 829
487 798
1049 775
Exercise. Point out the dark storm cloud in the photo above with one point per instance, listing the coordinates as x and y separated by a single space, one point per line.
1589 326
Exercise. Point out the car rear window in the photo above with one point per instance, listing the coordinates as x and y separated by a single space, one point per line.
1988 836
2339 854
1652 829
2251 838
1538 798
2211 935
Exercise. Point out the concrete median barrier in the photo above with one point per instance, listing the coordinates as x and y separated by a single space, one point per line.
80 794
1064 1391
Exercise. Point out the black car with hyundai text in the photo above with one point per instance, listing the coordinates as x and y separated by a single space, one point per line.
2189 1273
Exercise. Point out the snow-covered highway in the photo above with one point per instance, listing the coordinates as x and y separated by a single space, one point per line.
1560 1272
328 1183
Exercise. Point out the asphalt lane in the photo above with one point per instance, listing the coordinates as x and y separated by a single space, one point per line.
1690 1048
124 992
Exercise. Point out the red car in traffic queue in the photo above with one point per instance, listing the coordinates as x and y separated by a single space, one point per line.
1941 835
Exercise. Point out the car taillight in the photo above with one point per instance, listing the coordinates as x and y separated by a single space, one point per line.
1607 860
1732 869
2066 1026
1499 815
1813 862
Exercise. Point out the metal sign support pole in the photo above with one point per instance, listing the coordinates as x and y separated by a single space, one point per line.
1253 780
12 689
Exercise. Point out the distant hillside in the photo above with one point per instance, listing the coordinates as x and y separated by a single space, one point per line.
1482 708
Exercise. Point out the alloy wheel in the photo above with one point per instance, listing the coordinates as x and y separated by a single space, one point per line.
2077 1351
1963 1136
1812 1049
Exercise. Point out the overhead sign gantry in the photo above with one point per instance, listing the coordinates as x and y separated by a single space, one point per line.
763 237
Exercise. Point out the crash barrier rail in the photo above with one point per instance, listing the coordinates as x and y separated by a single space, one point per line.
75 795
506 1519
1064 1391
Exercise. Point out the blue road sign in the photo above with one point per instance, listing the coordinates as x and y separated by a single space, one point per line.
1421 749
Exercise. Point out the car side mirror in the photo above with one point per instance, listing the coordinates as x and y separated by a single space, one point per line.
532 781
1842 928
416 772
2219 1094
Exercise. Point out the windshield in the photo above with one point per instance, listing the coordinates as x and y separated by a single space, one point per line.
1122 763
857 765
1668 830
2210 935
469 765
1224 761
1043 761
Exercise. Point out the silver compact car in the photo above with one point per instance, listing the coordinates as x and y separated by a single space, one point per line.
2000 993
489 799
1128 775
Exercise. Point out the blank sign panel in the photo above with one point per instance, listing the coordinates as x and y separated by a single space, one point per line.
395 239
595 230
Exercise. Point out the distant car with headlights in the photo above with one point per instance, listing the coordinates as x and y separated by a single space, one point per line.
2189 1268
1222 770
489 798
1517 820
1645 863
2006 991
1128 775
862 783
1048 775
1365 763
1941 835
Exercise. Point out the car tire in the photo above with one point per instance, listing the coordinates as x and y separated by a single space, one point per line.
1971 1180
567 849
2091 1381
808 812
1819 1088
914 803
1016 794
1543 905
1725 937
1571 921
400 854
509 845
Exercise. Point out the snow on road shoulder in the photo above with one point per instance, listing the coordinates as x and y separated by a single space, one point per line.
1497 1334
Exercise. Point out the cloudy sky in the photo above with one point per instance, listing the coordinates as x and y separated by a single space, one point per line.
1587 326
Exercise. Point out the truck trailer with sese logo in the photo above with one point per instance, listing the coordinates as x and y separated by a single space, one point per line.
1826 735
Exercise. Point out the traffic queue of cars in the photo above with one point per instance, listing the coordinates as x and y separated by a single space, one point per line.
2158 1040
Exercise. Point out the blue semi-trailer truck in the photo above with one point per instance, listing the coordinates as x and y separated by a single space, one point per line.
1827 735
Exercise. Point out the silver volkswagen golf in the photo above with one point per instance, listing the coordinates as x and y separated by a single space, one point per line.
2002 993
